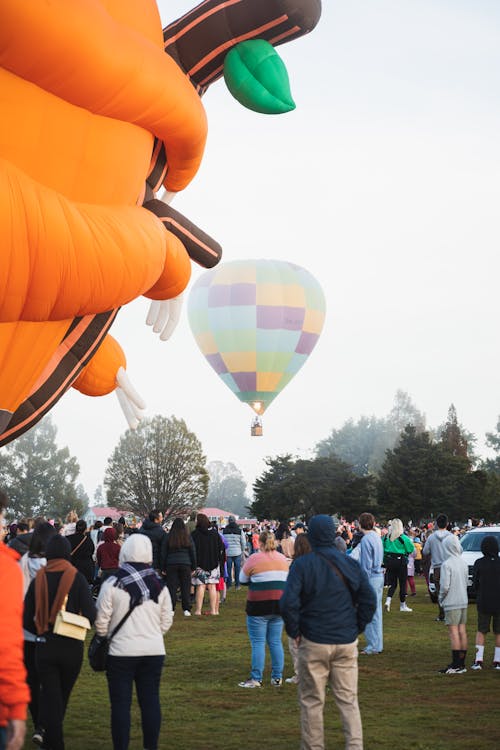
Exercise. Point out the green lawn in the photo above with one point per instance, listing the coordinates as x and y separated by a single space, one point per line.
404 702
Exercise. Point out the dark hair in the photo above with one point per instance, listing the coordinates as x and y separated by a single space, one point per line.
178 536
301 546
282 532
202 521
81 526
122 520
367 521
108 521
154 515
97 524
41 535
442 521
23 526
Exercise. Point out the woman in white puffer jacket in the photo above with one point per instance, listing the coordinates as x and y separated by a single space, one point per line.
137 652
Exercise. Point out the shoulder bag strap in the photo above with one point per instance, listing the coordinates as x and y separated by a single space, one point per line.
122 621
338 573
78 545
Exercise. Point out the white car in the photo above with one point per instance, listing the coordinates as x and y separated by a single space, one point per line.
471 546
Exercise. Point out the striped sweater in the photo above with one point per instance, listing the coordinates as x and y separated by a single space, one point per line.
266 574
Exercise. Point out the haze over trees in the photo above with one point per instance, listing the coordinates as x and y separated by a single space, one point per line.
39 477
227 488
159 465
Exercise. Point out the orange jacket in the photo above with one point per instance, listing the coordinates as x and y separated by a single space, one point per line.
14 692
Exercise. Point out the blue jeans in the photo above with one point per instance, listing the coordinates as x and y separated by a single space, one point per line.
236 561
122 672
374 630
3 738
261 630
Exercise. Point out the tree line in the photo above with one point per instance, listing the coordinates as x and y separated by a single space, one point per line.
393 466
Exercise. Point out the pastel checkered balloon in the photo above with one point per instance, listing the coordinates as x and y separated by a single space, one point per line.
256 322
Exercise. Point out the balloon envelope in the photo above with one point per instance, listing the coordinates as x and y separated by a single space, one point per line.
256 322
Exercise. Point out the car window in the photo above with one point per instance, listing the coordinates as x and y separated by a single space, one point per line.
472 542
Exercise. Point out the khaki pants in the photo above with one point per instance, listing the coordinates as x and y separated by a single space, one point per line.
318 664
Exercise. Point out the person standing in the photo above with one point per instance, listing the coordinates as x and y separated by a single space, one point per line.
235 551
58 658
265 573
327 603
82 551
486 585
371 555
137 652
209 554
178 561
14 692
454 601
434 551
397 546
152 528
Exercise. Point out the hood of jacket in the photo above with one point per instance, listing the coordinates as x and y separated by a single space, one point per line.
148 525
137 548
232 528
321 531
452 545
489 546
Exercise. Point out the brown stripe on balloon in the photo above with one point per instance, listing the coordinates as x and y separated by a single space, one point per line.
207 32
200 247
158 167
91 331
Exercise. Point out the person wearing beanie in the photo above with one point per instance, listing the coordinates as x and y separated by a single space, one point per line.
486 585
327 603
58 658
236 545
454 601
137 651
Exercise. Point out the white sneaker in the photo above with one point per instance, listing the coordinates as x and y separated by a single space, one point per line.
292 680
387 604
250 684
404 607
187 613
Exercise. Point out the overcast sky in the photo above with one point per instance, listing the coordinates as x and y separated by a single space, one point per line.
384 184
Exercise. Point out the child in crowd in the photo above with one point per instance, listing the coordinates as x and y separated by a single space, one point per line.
410 580
301 547
418 555
453 599
486 584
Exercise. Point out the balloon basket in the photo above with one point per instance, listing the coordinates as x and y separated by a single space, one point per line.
256 427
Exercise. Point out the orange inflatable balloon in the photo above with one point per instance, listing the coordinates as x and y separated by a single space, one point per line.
98 112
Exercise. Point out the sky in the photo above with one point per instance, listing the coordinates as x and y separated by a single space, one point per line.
383 183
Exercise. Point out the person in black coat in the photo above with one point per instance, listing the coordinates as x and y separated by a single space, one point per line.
82 551
178 561
58 658
486 585
151 527
210 552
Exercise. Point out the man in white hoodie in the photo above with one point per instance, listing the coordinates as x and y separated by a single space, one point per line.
453 599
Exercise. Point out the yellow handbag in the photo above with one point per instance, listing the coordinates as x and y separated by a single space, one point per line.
71 625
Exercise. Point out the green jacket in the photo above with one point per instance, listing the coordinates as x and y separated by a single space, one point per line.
403 545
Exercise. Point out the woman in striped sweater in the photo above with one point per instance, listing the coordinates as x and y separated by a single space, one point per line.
265 573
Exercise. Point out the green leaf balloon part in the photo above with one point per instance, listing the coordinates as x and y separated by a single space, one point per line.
257 77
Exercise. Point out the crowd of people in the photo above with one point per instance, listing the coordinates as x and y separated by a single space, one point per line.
322 583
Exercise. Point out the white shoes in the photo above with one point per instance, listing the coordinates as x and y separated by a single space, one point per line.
403 607
187 613
387 604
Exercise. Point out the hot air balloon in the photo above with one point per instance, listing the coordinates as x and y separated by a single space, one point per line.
256 322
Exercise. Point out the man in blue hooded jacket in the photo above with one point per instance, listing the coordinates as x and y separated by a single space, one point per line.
327 603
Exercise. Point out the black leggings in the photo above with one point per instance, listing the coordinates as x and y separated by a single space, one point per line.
397 572
179 576
58 661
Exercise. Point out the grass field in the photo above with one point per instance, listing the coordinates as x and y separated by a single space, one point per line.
405 703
